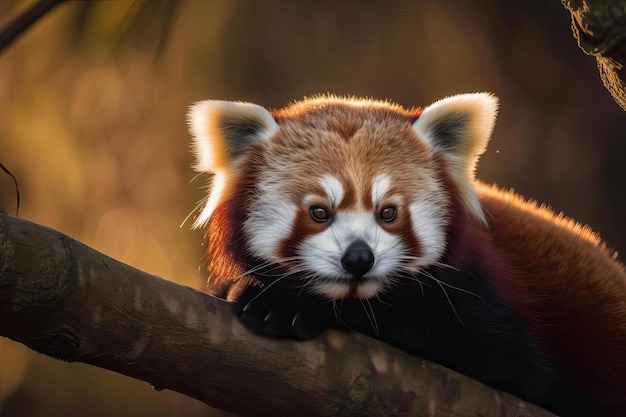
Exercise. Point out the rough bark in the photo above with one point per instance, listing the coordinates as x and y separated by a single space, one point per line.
66 300
600 28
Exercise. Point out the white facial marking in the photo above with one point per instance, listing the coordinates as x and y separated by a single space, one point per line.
369 288
310 199
340 288
269 223
333 188
322 254
380 186
331 289
429 227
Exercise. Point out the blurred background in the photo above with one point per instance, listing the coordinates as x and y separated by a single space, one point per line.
92 124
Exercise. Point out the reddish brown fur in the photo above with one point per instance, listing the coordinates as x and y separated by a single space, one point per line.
301 145
568 286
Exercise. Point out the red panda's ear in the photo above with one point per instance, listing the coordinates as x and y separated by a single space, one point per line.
223 131
460 127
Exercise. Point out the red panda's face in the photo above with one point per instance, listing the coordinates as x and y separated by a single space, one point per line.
348 196
351 214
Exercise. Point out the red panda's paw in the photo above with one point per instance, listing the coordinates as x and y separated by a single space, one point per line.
283 312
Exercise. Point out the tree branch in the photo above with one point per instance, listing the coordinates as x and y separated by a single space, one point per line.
600 28
18 26
63 299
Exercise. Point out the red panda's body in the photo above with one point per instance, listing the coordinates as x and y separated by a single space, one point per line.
359 214
569 289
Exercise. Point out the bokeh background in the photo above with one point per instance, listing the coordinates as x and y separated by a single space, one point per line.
92 124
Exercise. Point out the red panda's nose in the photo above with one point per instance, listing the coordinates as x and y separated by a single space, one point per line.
358 258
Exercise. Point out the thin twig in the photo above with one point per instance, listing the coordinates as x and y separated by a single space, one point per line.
18 26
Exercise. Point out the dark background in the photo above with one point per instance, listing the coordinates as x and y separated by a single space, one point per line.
92 124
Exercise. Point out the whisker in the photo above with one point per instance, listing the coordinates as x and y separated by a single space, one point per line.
452 286
339 316
196 177
451 304
419 281
446 266
445 293
195 210
271 284
371 318
308 279
256 269
413 276
380 300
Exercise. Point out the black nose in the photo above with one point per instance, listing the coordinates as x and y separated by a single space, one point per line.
358 258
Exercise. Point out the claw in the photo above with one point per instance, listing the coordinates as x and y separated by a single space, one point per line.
295 317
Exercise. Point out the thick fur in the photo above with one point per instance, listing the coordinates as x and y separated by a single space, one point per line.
362 215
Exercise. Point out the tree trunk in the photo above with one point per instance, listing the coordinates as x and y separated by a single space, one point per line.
600 28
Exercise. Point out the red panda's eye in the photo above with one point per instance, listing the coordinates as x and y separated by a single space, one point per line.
319 214
388 214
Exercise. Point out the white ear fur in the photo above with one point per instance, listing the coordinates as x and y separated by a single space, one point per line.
460 127
222 132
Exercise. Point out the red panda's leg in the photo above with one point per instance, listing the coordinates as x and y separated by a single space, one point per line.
281 311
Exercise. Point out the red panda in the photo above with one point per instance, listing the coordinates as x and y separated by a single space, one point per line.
360 214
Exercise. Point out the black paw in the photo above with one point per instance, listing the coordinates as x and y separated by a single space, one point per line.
283 312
